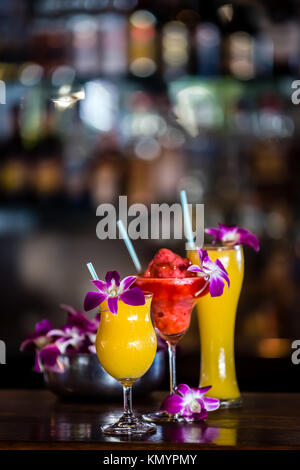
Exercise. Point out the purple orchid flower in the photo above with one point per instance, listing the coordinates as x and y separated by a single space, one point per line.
112 290
38 339
77 336
215 270
68 340
190 403
233 236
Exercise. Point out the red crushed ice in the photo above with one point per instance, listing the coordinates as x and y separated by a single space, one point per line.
167 264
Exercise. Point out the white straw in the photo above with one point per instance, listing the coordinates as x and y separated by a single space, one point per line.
92 271
129 246
187 220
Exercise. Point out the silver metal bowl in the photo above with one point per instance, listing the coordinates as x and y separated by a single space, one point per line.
84 377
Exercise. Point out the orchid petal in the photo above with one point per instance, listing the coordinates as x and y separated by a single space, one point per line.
248 238
195 269
204 390
74 341
37 364
43 327
57 332
92 349
228 234
211 404
91 337
203 256
127 282
183 389
112 303
48 357
215 232
224 272
216 287
93 299
226 277
33 342
221 266
199 392
226 227
172 404
62 344
97 318
100 285
112 276
133 296
26 344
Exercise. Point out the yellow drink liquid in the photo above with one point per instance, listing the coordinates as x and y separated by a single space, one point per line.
126 342
216 318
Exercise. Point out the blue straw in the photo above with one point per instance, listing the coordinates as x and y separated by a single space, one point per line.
129 246
92 271
187 219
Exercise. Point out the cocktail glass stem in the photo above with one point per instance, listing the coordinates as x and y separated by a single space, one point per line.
127 396
172 366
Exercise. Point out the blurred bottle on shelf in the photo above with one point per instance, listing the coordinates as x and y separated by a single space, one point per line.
47 173
263 55
208 47
142 44
13 166
106 170
85 51
241 55
113 44
76 153
139 182
175 49
285 37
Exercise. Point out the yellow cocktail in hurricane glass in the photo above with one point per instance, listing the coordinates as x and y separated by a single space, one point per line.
125 343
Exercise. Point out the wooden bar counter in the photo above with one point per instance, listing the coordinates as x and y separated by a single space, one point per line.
36 419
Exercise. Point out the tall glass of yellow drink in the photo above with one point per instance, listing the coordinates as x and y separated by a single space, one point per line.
126 347
216 318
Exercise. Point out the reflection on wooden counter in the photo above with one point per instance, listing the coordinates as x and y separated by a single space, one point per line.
38 420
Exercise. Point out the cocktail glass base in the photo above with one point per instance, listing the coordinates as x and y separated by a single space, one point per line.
231 402
159 417
129 427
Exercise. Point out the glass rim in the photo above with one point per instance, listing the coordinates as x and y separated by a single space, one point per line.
217 247
191 278
147 295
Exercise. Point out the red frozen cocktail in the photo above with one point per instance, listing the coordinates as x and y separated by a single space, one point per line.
173 301
175 291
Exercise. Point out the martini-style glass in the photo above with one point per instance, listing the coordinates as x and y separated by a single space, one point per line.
172 305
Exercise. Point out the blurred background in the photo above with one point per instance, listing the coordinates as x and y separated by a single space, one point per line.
144 98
